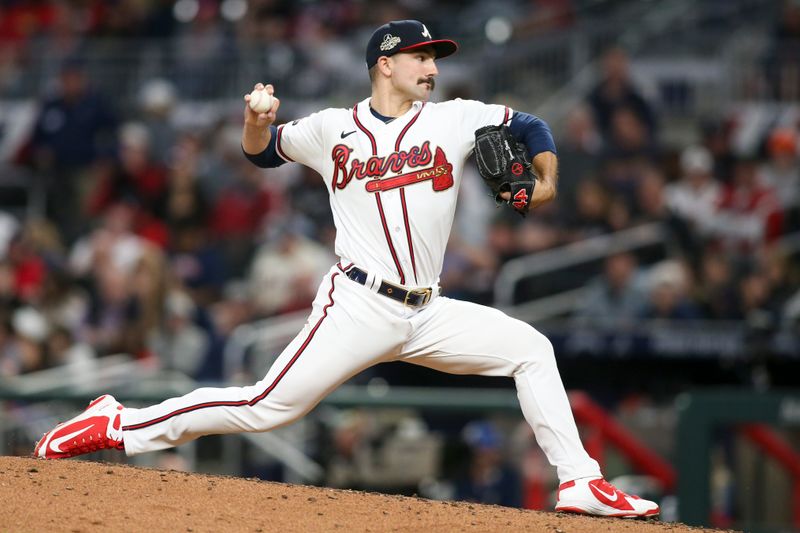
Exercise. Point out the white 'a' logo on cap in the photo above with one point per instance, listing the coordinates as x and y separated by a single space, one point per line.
425 32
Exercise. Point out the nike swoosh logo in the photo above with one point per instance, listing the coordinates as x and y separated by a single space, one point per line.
343 134
55 444
611 497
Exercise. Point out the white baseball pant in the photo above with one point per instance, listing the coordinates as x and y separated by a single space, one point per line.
352 328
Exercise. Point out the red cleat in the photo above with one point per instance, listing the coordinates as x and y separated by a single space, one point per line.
97 428
600 498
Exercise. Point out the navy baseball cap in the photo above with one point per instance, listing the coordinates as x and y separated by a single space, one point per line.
402 36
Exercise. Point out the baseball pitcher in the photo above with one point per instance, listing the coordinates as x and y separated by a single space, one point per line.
392 165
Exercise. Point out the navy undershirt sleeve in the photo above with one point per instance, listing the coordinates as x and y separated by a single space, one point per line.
533 132
269 158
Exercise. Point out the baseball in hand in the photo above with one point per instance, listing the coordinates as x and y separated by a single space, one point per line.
260 101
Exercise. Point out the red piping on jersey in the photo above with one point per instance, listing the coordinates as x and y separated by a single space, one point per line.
378 197
408 232
278 145
403 193
365 130
505 117
389 239
248 403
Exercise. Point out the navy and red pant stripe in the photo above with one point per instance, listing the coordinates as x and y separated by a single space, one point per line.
259 397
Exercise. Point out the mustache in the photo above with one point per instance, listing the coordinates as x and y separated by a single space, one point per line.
429 80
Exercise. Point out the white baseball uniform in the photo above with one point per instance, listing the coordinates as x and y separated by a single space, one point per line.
393 189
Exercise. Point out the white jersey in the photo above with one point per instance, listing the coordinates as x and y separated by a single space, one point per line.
393 186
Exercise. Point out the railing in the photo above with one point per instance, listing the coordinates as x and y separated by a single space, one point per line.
589 413
700 413
774 446
558 259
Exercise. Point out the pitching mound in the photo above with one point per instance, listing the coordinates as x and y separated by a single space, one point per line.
80 496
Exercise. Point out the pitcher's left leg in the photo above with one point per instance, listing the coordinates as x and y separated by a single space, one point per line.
465 338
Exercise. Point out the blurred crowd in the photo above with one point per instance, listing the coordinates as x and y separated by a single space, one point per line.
306 46
159 240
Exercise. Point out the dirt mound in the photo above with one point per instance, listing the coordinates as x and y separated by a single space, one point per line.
81 496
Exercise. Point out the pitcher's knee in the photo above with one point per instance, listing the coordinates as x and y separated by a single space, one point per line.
537 350
267 417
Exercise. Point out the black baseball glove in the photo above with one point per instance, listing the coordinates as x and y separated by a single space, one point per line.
505 166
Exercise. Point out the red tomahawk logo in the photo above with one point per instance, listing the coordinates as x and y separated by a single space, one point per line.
441 174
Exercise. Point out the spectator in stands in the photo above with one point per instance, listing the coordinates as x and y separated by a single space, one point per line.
539 233
748 214
134 175
106 261
651 203
204 50
197 263
308 198
717 137
74 130
617 297
157 102
149 286
591 214
112 245
489 478
183 202
669 287
616 91
110 320
350 434
775 264
715 290
468 271
63 301
178 343
501 237
782 171
620 214
27 350
286 270
28 269
9 299
628 139
782 61
693 198
627 157
759 306
76 358
579 151
43 238
240 213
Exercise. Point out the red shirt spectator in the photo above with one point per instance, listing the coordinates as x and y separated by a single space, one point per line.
748 213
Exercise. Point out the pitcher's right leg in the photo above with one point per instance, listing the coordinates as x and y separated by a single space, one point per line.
330 349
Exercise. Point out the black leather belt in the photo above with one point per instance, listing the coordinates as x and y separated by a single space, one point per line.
413 298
